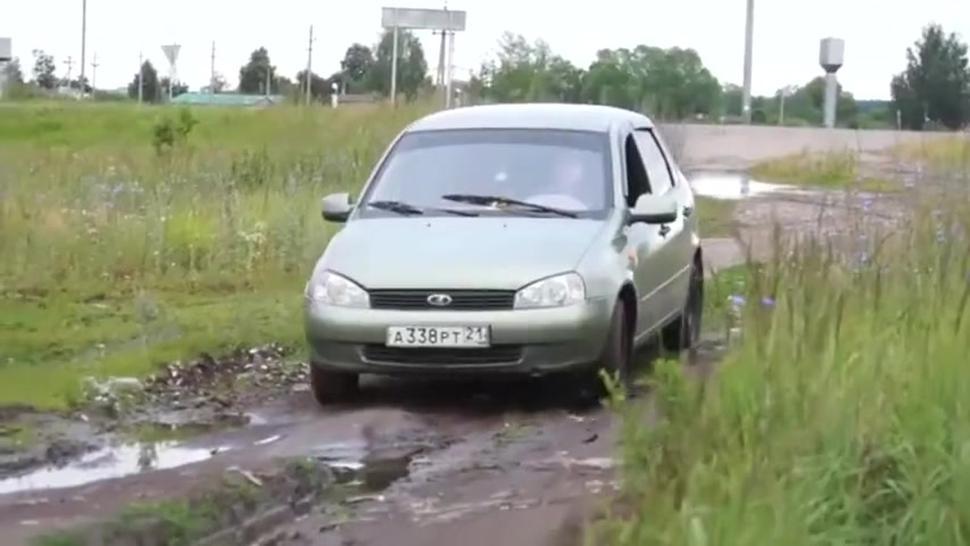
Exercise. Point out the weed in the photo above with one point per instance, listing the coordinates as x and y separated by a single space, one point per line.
832 169
124 247
838 417
716 216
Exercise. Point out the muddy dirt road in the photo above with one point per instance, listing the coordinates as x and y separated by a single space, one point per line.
437 463
422 462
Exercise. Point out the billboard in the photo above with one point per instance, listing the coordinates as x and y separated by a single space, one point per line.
430 19
6 50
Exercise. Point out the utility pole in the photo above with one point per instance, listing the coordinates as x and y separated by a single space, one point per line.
84 38
748 39
450 71
141 78
440 76
70 64
268 77
309 68
94 73
212 70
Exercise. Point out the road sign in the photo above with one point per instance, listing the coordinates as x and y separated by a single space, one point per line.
428 19
171 52
6 51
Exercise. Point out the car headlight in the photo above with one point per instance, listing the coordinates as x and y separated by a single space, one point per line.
557 291
330 288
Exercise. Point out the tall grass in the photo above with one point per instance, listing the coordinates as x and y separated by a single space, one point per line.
840 418
237 202
118 253
832 169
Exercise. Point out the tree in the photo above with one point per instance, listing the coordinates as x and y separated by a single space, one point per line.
178 88
218 84
319 87
530 72
44 70
668 83
412 67
807 104
151 91
12 73
356 67
253 75
608 83
935 87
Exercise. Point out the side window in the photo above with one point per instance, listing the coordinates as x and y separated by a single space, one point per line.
637 182
657 169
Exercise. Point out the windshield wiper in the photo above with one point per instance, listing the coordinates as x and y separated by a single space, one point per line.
492 200
395 206
404 208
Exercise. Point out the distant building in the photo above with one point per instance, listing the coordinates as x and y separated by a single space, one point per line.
227 99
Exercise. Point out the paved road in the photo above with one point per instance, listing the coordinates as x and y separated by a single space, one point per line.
738 147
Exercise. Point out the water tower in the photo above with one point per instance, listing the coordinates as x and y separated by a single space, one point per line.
830 57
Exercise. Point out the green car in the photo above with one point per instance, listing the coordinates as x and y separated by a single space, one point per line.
524 239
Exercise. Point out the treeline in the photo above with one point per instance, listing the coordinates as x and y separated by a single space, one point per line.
933 91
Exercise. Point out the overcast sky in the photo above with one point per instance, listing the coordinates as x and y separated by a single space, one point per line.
786 41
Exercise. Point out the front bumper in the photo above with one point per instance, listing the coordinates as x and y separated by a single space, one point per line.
525 341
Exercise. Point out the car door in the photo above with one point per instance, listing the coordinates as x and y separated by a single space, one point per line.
642 238
671 251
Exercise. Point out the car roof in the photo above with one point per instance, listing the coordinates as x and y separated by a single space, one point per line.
578 117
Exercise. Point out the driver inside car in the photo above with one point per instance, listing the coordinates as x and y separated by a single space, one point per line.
567 186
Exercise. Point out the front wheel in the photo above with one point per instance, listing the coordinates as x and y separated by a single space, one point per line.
616 357
685 332
331 387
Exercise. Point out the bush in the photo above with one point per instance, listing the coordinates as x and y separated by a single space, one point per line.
169 133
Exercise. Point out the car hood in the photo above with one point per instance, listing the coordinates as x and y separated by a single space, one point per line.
484 253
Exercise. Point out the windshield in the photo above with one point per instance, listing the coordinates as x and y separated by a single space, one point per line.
563 170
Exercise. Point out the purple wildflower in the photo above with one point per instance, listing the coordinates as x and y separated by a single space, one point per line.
768 301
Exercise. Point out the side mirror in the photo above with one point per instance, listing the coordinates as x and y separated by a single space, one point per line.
337 207
654 209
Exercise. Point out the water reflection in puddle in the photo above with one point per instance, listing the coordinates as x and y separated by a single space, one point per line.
371 471
106 464
736 185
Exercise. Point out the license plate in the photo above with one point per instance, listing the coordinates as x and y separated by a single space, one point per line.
438 336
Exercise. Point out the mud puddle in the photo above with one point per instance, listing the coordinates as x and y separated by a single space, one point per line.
106 464
737 186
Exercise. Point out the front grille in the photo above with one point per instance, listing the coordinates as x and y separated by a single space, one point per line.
462 300
501 354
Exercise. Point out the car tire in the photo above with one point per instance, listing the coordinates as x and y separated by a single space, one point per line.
617 354
684 332
331 387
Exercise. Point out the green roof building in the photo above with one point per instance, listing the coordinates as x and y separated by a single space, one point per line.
227 99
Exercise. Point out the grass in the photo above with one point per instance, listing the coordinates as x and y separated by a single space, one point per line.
840 417
122 252
829 170
952 154
716 216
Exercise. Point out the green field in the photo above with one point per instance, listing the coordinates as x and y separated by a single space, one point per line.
126 245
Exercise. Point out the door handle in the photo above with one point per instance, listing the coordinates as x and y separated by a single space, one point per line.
664 230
